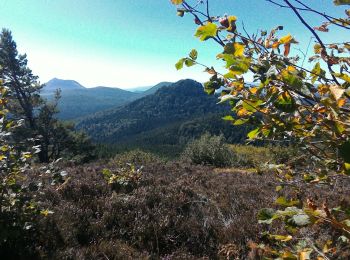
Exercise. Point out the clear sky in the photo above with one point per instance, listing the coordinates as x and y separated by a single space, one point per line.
128 43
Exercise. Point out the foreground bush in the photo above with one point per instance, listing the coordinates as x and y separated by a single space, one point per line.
208 150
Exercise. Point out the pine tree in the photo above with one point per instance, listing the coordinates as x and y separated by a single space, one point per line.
40 122
24 89
18 78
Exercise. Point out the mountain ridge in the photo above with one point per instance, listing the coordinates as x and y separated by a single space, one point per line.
78 101
167 119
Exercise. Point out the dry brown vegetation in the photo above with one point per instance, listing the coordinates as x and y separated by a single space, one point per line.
176 211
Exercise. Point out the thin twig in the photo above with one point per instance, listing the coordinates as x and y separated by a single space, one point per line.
316 36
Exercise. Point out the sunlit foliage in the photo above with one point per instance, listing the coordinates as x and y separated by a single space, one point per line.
287 102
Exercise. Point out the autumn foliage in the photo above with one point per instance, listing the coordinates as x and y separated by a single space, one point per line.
289 102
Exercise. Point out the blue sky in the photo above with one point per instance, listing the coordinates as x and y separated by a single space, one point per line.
129 43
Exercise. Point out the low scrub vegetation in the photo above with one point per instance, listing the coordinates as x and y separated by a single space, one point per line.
208 150
213 150
174 211
257 156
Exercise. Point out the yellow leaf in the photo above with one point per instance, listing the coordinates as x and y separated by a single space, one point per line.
4 148
2 157
323 89
281 238
232 23
286 39
242 112
232 18
288 255
305 255
275 45
27 155
278 188
264 110
45 212
253 90
317 48
343 76
326 247
291 68
238 85
347 168
341 102
239 49
177 2
321 110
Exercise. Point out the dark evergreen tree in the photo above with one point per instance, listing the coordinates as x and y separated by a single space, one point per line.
24 87
40 121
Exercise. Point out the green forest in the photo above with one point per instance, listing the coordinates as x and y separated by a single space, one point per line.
226 169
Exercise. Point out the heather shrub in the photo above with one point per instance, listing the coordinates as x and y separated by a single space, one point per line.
124 178
135 157
176 211
208 150
257 156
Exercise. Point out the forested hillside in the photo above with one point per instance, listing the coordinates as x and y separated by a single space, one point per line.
164 121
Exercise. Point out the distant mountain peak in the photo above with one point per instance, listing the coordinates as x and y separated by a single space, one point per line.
63 84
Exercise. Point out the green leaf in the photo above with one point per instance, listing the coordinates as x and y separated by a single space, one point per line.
207 31
285 103
316 72
282 201
241 121
179 65
252 134
281 238
292 79
266 215
346 222
106 173
347 168
209 88
189 62
300 220
193 54
252 106
236 65
228 118
230 75
278 188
